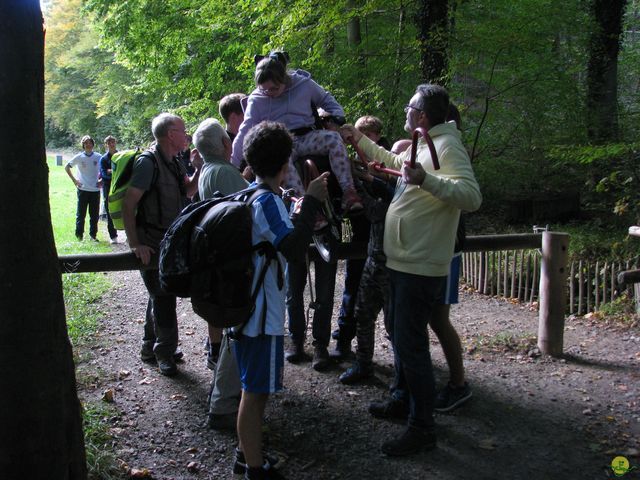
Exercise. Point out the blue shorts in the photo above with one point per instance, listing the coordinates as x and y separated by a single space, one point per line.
451 293
260 363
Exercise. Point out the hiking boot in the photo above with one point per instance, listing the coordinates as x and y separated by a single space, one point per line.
94 239
411 441
356 374
265 472
213 355
335 334
321 360
147 355
113 241
79 238
222 422
240 465
450 397
167 366
342 351
389 409
351 201
296 354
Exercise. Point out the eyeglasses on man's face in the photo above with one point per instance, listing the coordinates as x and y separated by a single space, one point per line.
408 107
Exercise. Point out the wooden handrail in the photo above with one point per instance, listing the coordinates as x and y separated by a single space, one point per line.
119 261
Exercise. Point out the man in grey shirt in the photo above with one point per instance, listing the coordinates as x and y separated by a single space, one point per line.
219 175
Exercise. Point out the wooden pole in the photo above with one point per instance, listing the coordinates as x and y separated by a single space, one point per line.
553 298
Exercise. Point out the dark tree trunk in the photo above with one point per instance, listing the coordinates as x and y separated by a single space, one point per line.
40 422
602 71
432 20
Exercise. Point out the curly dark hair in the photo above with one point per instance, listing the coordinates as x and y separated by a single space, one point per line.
267 147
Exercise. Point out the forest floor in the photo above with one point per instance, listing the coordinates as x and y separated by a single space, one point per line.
531 417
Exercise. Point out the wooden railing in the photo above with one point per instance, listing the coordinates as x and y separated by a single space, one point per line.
551 288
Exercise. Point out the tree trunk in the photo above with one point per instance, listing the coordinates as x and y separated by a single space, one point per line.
432 20
397 68
40 416
602 71
354 38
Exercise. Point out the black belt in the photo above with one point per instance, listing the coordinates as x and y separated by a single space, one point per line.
298 132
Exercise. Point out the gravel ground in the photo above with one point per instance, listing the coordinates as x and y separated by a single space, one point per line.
531 417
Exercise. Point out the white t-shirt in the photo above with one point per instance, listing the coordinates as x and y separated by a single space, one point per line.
88 167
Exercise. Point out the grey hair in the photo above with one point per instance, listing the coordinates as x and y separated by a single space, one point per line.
209 139
162 123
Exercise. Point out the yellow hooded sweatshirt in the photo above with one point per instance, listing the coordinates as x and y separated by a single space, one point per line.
421 223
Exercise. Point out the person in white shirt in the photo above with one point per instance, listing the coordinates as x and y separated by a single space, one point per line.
87 164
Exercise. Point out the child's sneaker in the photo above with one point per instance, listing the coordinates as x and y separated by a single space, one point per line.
351 201
451 397
271 463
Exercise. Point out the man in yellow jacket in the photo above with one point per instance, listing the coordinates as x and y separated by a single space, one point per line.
420 230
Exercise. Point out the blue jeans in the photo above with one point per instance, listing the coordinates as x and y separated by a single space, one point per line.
92 201
411 303
325 280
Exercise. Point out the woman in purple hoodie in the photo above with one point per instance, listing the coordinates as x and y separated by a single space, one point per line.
287 96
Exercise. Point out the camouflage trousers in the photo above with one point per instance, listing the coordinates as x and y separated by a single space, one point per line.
373 296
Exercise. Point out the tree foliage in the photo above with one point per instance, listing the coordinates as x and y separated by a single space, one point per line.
517 70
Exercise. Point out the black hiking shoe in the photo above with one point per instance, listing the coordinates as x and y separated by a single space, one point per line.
412 440
356 374
296 354
389 409
266 472
147 355
222 422
321 360
240 465
167 366
342 351
450 397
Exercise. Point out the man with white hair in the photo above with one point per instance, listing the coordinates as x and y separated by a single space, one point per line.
157 193
212 142
214 145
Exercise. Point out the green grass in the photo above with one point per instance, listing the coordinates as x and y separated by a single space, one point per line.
82 292
101 460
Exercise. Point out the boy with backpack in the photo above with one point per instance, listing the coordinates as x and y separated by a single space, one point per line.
259 348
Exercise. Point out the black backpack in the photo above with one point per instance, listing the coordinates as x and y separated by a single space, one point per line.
207 255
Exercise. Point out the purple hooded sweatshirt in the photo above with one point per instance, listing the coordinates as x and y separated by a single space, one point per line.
293 108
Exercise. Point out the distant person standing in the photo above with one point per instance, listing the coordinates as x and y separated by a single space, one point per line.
88 185
105 174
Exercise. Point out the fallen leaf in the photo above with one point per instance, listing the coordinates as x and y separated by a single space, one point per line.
146 381
178 396
139 473
191 450
487 444
107 396
193 467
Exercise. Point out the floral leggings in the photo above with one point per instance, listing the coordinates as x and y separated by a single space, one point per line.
320 142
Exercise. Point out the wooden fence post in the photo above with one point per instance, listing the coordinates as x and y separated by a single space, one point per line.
553 298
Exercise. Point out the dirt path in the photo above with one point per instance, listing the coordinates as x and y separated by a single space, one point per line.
530 418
